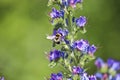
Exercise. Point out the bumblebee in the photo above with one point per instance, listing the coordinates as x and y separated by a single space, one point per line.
58 38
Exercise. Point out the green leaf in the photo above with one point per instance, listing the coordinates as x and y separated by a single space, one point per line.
104 69
76 77
112 72
58 22
50 2
52 64
79 6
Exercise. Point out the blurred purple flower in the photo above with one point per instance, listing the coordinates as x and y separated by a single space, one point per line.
115 66
99 63
110 62
117 77
112 68
2 78
103 76
99 75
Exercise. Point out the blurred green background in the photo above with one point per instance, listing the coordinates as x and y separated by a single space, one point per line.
25 23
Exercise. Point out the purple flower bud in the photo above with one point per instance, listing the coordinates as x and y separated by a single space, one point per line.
110 62
92 49
73 3
65 3
81 21
54 55
57 76
56 13
77 70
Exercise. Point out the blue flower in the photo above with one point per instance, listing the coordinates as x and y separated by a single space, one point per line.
115 66
81 45
117 77
110 62
57 76
54 55
56 13
59 35
77 70
81 21
84 46
73 3
65 3
92 49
